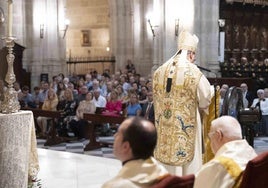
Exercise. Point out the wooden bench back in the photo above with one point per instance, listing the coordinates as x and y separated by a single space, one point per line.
44 113
99 118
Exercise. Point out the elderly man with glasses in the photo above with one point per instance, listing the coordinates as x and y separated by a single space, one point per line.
232 154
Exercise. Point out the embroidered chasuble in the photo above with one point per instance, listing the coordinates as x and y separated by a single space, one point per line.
175 101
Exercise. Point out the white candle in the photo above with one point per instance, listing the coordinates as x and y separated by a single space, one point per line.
10 17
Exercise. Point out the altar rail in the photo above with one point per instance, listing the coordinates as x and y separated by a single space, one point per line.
84 65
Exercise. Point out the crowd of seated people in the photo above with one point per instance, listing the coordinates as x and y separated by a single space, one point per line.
123 93
132 90
244 68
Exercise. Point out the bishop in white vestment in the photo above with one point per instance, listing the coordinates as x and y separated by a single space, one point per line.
181 91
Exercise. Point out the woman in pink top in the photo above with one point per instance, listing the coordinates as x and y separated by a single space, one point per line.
113 106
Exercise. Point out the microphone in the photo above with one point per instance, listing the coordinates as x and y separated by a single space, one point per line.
202 68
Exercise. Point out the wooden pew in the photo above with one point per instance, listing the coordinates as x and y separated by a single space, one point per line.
52 137
97 119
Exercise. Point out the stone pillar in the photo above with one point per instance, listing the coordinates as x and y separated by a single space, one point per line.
207 29
130 39
47 54
118 26
158 48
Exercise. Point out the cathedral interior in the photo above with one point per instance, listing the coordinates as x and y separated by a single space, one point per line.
79 37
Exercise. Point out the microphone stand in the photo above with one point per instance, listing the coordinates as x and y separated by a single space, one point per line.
202 68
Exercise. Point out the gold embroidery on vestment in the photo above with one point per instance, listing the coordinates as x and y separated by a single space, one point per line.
175 113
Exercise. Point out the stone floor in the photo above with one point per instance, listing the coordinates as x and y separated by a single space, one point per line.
68 165
60 169
261 144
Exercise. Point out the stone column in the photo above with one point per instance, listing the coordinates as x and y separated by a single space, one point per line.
158 48
207 29
47 54
130 39
118 26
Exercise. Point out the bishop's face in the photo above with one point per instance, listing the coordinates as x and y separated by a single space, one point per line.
192 57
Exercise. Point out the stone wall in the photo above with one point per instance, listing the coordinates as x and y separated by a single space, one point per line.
121 25
89 31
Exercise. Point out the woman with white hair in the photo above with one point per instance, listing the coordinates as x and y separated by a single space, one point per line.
66 82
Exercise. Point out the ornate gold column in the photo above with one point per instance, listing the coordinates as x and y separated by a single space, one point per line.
10 103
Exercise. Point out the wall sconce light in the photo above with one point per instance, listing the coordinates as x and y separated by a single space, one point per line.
41 31
221 22
2 16
152 29
67 23
176 27
221 48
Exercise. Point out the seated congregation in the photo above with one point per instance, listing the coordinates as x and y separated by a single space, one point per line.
126 101
122 94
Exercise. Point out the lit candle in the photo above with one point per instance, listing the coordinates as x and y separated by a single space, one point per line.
10 17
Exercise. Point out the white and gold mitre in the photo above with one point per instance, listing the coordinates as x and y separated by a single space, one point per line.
187 41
